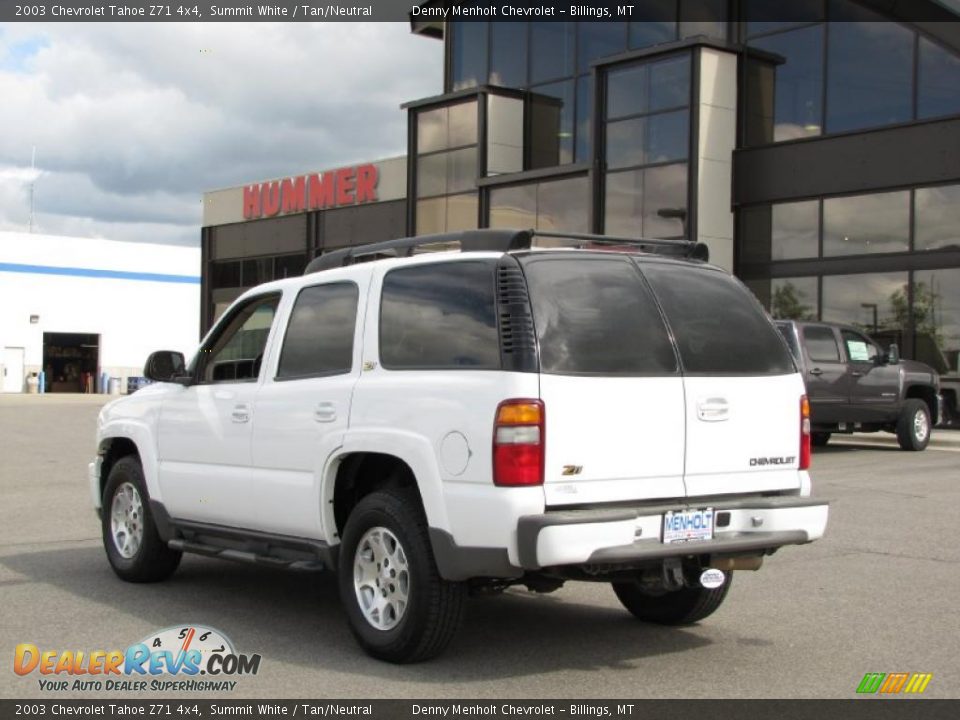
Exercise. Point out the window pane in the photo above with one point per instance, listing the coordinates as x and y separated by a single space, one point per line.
665 202
936 314
432 175
939 81
584 113
670 83
551 50
468 42
869 78
793 88
462 212
655 22
551 110
561 203
508 54
289 266
431 130
873 302
667 137
225 275
462 170
766 16
648 87
625 143
513 207
597 316
937 218
431 216
462 124
821 343
863 224
795 230
440 316
599 39
237 353
319 338
794 298
628 91
704 17
718 325
257 271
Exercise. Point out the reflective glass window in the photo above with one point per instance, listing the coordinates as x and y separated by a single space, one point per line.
876 223
821 343
554 205
647 203
645 140
513 207
794 298
648 87
468 47
936 314
792 89
704 17
654 22
795 230
552 118
551 50
447 127
508 54
937 218
320 332
873 302
870 70
596 40
432 130
584 113
765 16
439 316
938 91
225 274
448 172
462 124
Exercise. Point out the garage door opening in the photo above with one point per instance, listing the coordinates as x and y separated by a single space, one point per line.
71 362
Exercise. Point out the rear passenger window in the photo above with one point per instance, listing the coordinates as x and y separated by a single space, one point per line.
597 317
821 344
440 316
719 327
319 339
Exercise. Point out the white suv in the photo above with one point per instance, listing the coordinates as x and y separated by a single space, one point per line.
430 424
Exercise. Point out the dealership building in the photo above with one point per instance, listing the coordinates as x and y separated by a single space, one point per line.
814 146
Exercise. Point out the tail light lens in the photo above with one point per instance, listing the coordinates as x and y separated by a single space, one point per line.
804 433
518 441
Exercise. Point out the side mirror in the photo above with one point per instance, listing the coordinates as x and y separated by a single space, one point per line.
166 366
893 354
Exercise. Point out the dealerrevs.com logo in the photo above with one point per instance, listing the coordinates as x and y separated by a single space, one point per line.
178 658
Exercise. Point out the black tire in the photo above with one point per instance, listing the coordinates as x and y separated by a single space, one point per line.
913 425
680 607
820 439
434 608
153 560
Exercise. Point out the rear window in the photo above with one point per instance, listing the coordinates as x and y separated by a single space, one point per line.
787 332
719 327
440 316
597 316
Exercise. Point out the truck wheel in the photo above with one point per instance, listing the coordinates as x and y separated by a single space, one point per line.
913 425
399 608
820 439
679 607
134 548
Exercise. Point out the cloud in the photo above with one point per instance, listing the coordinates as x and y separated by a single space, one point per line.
133 122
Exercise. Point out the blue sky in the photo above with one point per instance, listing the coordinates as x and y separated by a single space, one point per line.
133 122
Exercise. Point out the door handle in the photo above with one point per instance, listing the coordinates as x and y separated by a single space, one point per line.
325 412
713 409
816 371
240 414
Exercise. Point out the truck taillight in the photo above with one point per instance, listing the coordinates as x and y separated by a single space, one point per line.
518 442
804 433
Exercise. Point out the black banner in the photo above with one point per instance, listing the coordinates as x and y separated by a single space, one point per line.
406 11
859 709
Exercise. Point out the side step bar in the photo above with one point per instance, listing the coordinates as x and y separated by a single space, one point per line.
245 556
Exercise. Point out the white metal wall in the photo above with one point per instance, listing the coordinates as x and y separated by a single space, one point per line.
154 304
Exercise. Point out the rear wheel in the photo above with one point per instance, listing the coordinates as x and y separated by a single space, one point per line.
679 607
820 439
399 608
913 426
134 548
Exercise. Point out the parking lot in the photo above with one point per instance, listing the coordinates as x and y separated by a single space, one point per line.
877 594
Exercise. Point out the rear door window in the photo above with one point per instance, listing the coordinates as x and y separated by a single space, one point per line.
821 344
319 339
597 316
719 327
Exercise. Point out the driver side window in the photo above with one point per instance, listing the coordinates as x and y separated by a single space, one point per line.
859 348
237 353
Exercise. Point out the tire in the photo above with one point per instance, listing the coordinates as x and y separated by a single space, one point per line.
679 607
820 439
913 425
146 560
384 525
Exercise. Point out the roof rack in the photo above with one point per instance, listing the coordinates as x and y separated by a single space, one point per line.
499 241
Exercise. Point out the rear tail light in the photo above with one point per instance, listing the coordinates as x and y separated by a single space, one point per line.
518 441
804 433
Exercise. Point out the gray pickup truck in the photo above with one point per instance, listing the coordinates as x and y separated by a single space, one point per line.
854 386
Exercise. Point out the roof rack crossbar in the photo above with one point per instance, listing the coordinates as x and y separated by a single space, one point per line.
496 241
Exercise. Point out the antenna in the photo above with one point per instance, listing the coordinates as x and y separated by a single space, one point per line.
33 179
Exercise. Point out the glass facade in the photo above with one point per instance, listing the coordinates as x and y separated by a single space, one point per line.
549 205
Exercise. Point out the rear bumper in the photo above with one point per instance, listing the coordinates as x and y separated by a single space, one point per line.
629 535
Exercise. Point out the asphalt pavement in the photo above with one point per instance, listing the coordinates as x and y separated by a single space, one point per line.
877 594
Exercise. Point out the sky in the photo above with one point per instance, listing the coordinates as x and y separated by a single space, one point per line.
133 122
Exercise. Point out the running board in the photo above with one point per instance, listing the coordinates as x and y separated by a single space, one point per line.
245 556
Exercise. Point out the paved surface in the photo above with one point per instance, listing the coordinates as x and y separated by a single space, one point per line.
879 593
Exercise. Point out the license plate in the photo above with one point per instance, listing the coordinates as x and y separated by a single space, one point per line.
688 526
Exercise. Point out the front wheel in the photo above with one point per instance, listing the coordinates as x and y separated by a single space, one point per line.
679 607
399 608
134 548
913 426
